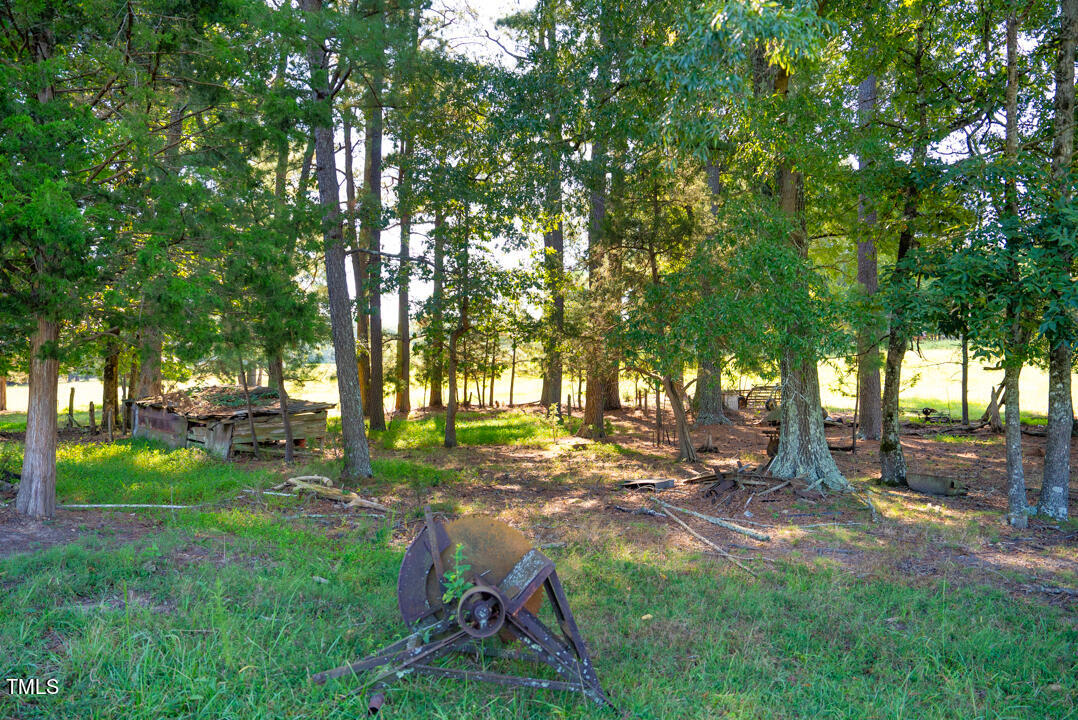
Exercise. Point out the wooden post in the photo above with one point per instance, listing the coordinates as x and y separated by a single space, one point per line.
569 404
109 420
93 422
71 408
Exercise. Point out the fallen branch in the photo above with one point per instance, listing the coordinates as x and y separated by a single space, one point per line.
707 542
332 493
716 521
773 489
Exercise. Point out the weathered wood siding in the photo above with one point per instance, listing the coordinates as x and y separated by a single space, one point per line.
161 425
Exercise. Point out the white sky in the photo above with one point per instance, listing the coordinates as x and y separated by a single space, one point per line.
466 37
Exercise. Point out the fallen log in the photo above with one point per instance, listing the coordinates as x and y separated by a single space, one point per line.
716 521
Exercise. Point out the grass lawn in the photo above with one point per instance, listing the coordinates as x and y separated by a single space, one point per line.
224 610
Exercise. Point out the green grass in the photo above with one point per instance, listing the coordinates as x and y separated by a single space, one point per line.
16 421
218 614
224 619
507 428
140 471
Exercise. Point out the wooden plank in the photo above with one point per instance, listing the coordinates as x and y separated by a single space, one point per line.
161 425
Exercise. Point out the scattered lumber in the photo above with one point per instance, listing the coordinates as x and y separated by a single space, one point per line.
652 484
716 521
773 489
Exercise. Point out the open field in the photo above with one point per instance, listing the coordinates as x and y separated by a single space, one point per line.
939 610
933 380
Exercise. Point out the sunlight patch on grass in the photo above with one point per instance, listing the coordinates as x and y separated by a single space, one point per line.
506 428
140 471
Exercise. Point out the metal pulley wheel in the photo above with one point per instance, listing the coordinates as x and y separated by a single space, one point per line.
481 611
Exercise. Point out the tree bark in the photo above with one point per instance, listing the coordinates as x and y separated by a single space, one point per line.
250 410
36 497
709 409
803 450
437 323
554 247
1017 513
685 449
403 402
892 460
3 393
110 380
373 232
1056 482
357 462
868 358
512 372
149 377
276 373
965 378
611 385
359 273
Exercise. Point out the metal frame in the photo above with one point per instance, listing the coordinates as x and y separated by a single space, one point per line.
562 650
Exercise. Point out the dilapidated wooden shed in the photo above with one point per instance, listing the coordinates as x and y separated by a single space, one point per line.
215 418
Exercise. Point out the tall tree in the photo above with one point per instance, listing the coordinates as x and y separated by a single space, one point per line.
357 462
1061 339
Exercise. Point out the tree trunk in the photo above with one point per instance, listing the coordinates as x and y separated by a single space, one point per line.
965 378
554 247
868 356
3 393
36 497
450 440
685 449
149 377
359 273
892 461
512 372
129 392
357 462
250 410
403 402
437 323
709 409
1017 513
110 380
611 389
493 367
1055 485
803 450
276 373
373 232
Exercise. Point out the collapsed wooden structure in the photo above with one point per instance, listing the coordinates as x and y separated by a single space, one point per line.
215 419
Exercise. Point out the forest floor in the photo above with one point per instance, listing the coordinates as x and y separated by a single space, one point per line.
936 609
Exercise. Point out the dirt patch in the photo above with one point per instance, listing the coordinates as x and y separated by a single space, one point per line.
18 535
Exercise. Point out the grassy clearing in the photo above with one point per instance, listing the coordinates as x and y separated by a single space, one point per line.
508 428
221 616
